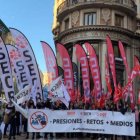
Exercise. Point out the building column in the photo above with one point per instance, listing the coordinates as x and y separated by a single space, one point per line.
103 52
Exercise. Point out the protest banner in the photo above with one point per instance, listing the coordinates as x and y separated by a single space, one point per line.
89 121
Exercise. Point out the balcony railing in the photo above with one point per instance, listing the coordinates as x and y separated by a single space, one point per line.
68 3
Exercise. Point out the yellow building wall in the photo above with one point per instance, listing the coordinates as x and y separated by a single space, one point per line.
47 78
56 5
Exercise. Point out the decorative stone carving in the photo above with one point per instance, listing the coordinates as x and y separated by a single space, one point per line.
75 18
106 14
96 35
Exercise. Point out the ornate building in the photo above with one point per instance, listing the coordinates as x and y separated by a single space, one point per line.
77 21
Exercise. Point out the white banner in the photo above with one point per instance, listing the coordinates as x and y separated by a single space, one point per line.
23 95
89 121
26 51
6 72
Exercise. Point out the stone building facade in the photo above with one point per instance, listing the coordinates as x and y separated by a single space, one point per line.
78 21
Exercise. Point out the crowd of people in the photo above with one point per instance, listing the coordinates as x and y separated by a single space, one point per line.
17 123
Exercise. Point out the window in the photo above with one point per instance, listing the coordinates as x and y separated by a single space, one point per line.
116 50
89 18
67 24
89 0
138 25
74 1
119 20
119 1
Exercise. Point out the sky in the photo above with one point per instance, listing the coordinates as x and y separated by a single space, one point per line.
34 19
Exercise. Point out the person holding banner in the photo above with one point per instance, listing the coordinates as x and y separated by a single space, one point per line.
24 120
6 120
39 105
12 121
18 114
7 114
30 106
48 105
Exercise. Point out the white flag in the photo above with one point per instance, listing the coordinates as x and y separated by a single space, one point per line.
23 95
29 59
24 112
19 69
6 72
57 91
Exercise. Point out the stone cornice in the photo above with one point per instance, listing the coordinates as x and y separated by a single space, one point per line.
98 33
100 28
65 8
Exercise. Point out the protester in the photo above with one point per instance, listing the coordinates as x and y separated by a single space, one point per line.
48 105
24 120
1 119
39 105
12 121
30 106
9 111
109 105
18 122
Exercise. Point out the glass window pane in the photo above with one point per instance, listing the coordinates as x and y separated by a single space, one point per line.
94 19
89 18
86 19
119 20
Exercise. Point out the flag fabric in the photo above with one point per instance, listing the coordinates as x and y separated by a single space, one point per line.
95 70
134 73
139 97
118 93
76 73
82 58
24 112
57 91
122 52
19 71
23 95
136 61
6 72
112 62
66 99
101 101
50 59
33 95
107 77
66 94
68 72
55 88
28 56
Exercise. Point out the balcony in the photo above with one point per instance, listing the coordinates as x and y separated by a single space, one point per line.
125 5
